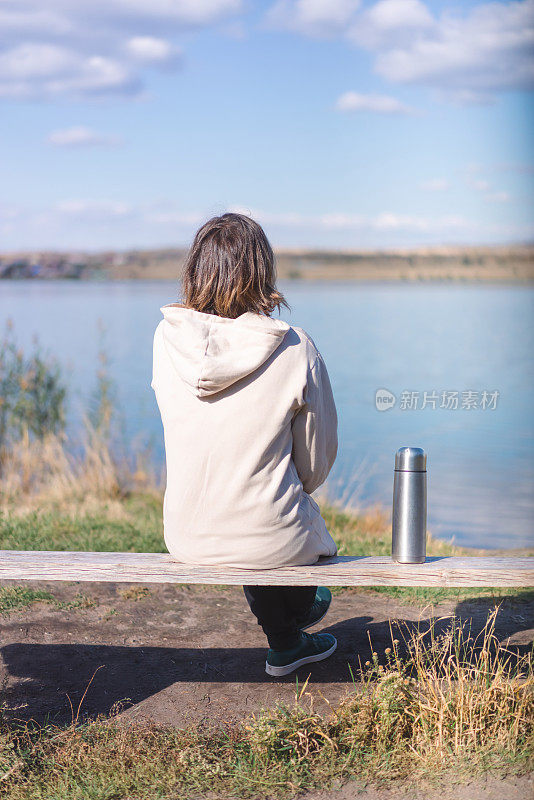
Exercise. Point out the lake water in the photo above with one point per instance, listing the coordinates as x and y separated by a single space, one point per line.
431 338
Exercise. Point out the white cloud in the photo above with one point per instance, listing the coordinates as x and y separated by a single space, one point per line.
185 12
46 70
91 210
465 54
390 22
81 136
450 222
94 47
313 17
104 223
436 185
379 103
42 70
385 221
97 75
480 184
31 61
151 50
486 50
30 19
390 15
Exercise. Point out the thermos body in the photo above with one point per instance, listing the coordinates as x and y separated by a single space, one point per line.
409 506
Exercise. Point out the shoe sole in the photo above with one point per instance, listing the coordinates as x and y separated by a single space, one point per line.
287 668
315 622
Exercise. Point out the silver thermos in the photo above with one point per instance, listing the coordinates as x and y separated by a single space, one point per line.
409 506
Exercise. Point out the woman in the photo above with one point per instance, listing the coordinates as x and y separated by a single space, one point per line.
250 431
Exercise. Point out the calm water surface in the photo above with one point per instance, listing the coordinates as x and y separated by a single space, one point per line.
403 338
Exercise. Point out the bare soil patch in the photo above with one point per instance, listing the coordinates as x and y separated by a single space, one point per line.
180 654
487 788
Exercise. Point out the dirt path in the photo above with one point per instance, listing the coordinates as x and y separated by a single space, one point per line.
178 654
517 788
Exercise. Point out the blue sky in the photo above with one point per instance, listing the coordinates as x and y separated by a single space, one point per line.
336 123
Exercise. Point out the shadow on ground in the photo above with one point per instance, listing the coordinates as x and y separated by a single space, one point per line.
183 664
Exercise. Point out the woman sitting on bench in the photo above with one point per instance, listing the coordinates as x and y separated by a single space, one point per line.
250 431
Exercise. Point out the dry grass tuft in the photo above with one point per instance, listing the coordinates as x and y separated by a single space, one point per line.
449 697
60 474
452 693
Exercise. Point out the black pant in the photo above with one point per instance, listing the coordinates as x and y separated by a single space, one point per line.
277 609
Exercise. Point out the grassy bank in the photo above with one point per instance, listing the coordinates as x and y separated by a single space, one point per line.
51 500
450 702
134 524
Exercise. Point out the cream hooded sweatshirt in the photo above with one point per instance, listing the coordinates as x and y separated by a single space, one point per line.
250 430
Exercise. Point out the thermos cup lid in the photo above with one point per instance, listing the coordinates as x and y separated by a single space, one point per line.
410 459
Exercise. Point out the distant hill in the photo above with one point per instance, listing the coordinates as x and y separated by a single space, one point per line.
496 264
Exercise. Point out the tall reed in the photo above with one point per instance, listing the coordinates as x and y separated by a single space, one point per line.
42 464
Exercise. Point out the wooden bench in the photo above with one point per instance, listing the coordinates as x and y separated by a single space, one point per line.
454 571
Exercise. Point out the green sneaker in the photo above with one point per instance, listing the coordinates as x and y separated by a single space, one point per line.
320 606
312 647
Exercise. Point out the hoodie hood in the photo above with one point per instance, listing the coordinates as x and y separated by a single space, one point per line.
210 353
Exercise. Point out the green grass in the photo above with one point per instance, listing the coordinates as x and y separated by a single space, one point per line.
139 529
421 595
103 761
80 601
14 597
134 524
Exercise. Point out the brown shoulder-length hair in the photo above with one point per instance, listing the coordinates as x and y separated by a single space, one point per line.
230 269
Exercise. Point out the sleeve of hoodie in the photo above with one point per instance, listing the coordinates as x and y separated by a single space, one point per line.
314 429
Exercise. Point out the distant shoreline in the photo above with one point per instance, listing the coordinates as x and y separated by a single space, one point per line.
497 264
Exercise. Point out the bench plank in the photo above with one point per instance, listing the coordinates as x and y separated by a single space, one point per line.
455 571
